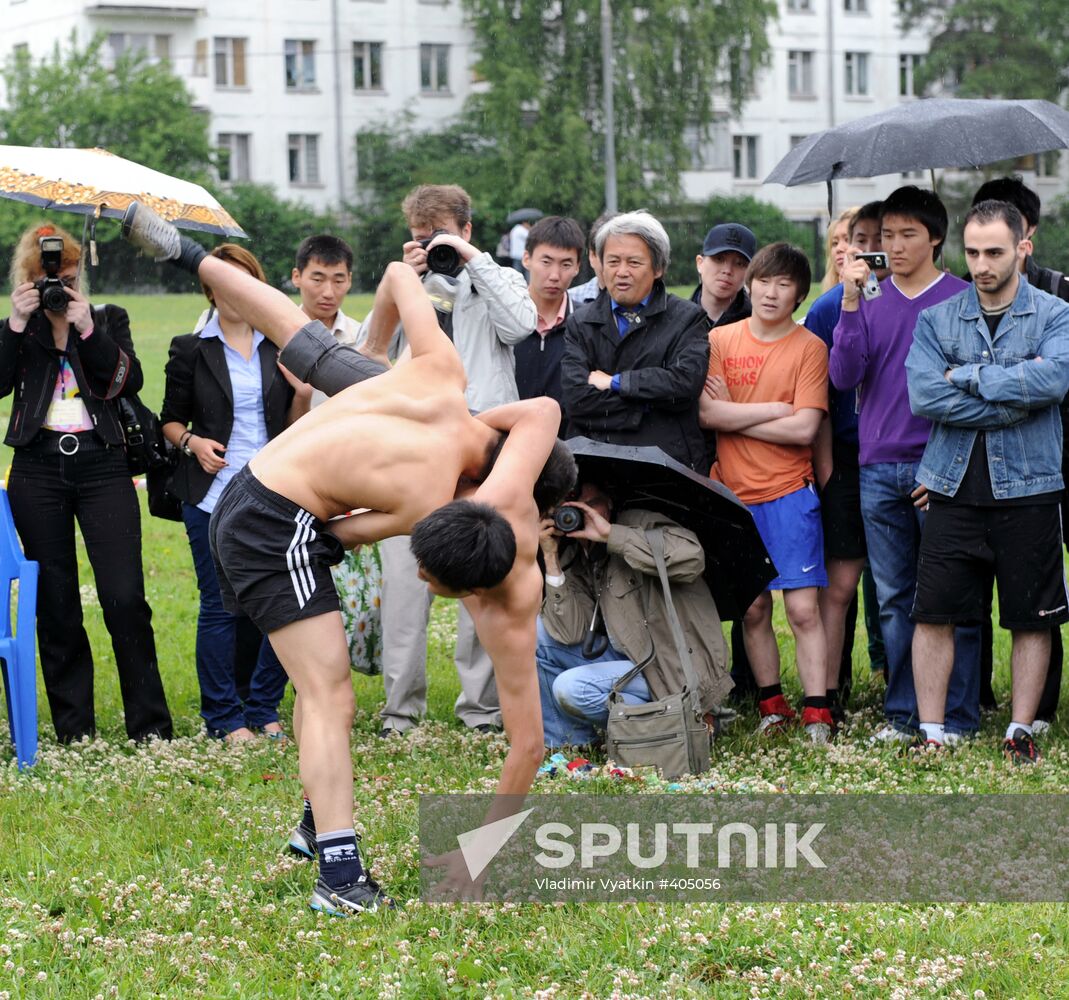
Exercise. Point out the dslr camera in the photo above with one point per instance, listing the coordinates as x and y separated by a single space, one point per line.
53 296
568 519
442 259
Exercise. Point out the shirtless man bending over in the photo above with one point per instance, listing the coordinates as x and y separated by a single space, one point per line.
397 444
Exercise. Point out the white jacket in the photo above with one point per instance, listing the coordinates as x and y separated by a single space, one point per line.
491 312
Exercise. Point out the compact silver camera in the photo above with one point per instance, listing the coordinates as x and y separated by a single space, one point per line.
877 261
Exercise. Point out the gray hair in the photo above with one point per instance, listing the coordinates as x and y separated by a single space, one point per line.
646 228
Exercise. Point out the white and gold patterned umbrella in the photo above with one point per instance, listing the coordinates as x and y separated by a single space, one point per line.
95 182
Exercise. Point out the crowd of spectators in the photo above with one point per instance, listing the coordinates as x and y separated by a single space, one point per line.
907 427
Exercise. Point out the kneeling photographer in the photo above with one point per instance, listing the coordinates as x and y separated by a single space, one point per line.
604 607
67 364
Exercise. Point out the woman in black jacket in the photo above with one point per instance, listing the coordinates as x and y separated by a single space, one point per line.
66 367
226 397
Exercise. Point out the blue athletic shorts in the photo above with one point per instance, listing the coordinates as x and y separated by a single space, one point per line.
792 532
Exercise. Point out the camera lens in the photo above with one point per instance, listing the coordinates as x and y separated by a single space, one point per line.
568 519
444 259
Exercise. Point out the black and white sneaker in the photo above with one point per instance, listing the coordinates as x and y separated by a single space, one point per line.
151 234
303 842
364 895
1020 748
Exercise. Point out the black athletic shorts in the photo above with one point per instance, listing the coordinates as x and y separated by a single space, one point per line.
960 547
840 507
272 557
315 356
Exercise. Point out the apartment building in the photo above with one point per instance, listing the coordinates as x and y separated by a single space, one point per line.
287 85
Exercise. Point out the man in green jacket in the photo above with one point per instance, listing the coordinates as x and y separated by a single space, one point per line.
602 581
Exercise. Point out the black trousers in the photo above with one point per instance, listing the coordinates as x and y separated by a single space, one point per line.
48 493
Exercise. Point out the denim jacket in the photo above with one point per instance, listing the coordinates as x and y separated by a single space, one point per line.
1009 387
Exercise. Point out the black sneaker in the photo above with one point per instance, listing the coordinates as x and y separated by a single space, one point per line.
303 842
487 729
364 895
1021 748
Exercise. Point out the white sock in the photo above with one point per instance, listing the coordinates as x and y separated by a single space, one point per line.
934 731
1014 726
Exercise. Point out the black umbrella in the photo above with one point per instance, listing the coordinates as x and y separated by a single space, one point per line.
737 566
923 135
523 215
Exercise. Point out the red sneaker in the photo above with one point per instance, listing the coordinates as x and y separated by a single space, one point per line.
776 715
818 724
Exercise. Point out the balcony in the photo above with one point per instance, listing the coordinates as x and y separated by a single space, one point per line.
143 8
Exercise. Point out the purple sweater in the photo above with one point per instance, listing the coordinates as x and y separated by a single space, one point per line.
869 349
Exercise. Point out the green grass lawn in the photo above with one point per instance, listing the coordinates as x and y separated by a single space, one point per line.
157 871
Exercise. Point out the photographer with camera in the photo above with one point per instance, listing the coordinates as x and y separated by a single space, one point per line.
66 364
603 608
485 310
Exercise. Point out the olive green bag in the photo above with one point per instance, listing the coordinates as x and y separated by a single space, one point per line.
669 734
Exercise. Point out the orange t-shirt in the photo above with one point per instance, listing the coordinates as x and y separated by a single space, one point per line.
793 369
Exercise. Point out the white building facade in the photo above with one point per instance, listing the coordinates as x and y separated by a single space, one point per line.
288 84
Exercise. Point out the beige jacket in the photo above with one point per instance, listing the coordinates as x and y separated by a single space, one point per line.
629 583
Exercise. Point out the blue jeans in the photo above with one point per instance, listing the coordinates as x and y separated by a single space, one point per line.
574 691
893 534
221 639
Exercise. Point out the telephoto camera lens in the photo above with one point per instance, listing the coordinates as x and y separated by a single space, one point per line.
53 297
568 519
444 259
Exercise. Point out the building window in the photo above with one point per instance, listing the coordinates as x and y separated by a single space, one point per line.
908 64
233 156
230 62
711 149
800 73
434 68
744 157
856 74
856 6
304 159
300 64
800 6
155 48
367 65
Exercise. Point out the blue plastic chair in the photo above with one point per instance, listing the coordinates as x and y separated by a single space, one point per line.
18 648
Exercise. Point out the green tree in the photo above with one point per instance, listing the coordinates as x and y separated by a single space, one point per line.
542 107
993 48
134 109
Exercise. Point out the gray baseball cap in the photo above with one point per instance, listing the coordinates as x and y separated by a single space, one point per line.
730 236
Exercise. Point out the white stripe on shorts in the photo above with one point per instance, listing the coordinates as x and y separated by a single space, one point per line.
297 559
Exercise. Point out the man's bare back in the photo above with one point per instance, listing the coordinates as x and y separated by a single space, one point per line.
368 447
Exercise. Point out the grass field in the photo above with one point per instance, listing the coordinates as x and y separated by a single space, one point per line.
157 871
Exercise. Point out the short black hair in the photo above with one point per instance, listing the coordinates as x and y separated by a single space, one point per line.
465 545
1013 190
912 202
557 479
329 249
869 212
986 212
557 231
782 260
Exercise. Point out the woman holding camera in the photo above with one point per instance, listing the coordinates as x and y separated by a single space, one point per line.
66 364
226 397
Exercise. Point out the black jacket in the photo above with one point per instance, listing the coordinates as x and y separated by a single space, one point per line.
739 309
538 360
662 364
198 395
104 365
